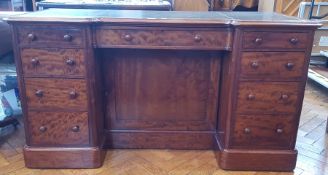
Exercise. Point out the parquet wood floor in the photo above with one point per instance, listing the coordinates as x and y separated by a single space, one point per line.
312 145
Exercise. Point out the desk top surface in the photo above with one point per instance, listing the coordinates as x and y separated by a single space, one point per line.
140 16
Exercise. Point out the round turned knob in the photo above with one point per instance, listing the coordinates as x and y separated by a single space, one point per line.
128 37
290 66
68 37
247 130
72 94
43 129
39 93
293 41
251 97
284 96
254 65
258 41
35 61
70 62
279 130
76 128
197 38
31 37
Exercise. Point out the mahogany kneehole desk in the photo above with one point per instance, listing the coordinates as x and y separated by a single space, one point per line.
97 79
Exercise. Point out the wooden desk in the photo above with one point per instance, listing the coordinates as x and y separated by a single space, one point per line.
97 79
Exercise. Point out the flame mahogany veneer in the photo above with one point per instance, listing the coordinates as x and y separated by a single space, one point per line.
97 79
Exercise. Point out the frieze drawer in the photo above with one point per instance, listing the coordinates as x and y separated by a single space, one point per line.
164 38
272 40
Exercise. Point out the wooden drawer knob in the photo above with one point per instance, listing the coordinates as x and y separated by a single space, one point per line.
290 66
197 38
293 41
43 129
70 62
279 130
284 96
72 94
31 37
39 93
76 128
255 65
35 61
68 38
127 37
247 130
258 41
250 97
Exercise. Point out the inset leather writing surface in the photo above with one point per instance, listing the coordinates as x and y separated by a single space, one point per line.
53 62
162 90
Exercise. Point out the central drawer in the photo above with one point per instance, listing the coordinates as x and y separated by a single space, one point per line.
52 94
174 38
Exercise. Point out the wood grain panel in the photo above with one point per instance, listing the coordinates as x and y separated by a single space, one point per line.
161 90
272 40
159 140
57 128
53 62
56 94
260 132
50 36
268 97
272 65
144 37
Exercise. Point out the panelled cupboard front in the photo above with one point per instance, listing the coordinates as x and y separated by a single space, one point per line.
97 79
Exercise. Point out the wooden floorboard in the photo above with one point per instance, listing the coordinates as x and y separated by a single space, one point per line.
312 144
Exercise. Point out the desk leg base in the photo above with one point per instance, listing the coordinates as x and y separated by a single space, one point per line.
264 160
39 157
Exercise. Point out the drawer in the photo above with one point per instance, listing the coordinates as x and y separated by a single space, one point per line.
58 128
272 65
56 93
253 131
268 97
272 40
162 38
51 36
53 62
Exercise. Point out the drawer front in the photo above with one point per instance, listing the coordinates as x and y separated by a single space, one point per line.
56 93
272 65
50 36
202 39
58 128
53 62
271 40
267 97
253 131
